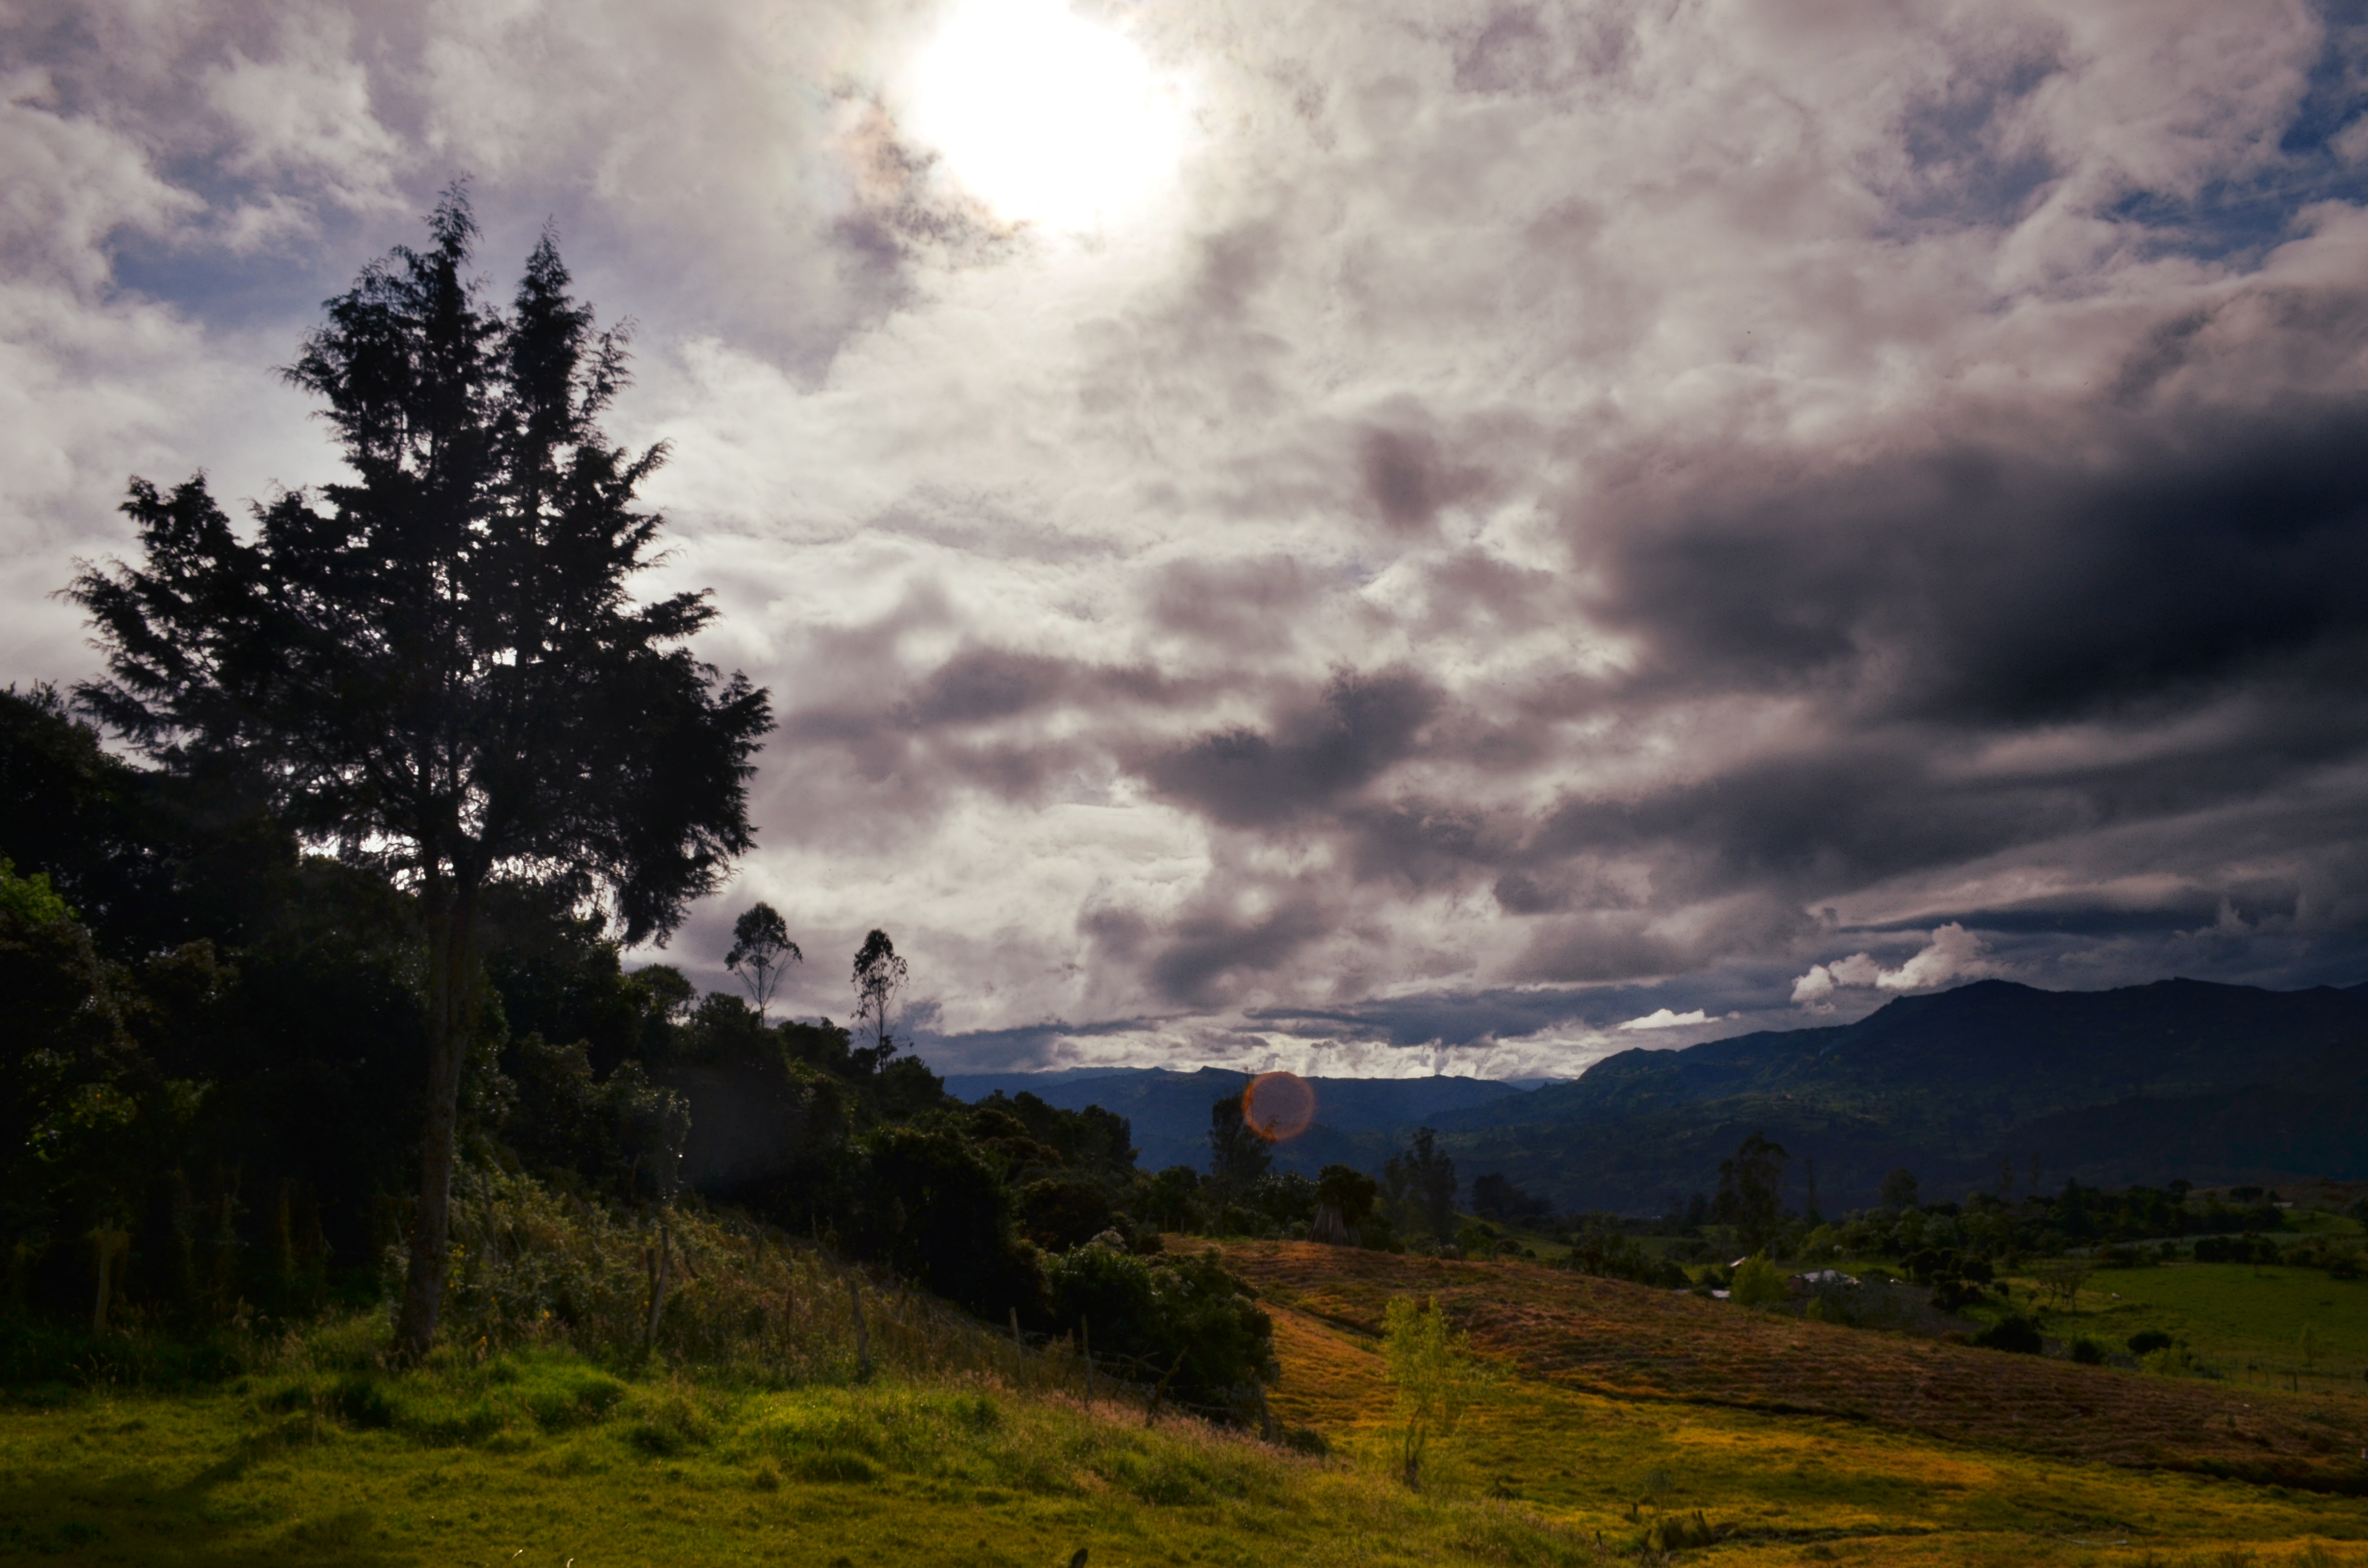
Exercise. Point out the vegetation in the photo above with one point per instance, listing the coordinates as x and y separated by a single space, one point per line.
707 1284
436 667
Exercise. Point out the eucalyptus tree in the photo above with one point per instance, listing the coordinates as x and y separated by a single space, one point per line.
761 949
436 666
879 975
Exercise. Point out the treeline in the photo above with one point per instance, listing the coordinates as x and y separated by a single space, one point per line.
1955 1246
214 1093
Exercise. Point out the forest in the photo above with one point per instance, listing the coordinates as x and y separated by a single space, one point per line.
313 915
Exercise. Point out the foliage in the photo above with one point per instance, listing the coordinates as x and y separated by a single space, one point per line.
1418 1187
1757 1283
1176 1321
1751 1190
2015 1332
29 901
927 1203
1348 1190
1169 1198
760 946
440 671
1436 1377
1601 1246
879 974
1237 1155
623 1133
1494 1197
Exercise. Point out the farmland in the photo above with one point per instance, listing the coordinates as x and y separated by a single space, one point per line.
1611 1406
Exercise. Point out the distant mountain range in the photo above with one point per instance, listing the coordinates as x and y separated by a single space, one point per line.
2144 1084
1169 1111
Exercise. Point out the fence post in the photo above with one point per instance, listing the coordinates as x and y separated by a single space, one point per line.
862 1338
657 1266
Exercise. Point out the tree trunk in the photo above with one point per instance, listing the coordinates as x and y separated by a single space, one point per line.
452 994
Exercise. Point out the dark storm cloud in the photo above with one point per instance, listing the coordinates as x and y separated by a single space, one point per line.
1312 757
1557 514
1977 585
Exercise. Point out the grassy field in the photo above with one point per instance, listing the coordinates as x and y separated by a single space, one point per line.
1615 1408
545 1462
2236 1316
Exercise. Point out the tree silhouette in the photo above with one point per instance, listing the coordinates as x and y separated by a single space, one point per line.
1751 1190
879 975
435 667
1238 1156
760 946
1420 1185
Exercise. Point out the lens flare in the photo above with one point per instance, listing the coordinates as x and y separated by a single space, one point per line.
1278 1106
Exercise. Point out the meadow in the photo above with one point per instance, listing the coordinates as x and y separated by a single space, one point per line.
2243 1318
1613 1414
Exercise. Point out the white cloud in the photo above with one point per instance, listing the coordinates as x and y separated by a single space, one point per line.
1412 371
1952 954
1663 1018
303 115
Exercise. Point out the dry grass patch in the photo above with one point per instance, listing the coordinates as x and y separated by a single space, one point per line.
1635 1342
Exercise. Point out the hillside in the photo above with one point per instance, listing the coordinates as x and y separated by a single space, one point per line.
1633 1343
2145 1083
1169 1111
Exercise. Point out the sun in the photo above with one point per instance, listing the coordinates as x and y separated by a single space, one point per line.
1045 117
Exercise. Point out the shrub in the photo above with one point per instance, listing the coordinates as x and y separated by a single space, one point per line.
1437 1380
2013 1333
2149 1339
1678 1531
1599 1247
1179 1319
929 1205
2088 1352
1757 1283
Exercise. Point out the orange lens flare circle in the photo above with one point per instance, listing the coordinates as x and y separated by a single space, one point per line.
1278 1106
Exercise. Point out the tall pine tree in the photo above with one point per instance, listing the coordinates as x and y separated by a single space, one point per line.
437 667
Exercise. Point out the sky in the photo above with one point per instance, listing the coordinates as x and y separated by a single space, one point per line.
1371 538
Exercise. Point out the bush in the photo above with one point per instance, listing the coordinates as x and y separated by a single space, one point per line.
1063 1211
1179 1318
2235 1249
1599 1247
1678 1531
2013 1333
2088 1352
2149 1339
1759 1283
929 1205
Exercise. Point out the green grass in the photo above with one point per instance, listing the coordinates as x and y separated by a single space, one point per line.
543 1458
2231 1313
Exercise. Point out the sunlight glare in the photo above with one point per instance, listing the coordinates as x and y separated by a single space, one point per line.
1043 115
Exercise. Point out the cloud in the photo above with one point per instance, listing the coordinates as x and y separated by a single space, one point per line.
1563 517
1663 1018
1954 954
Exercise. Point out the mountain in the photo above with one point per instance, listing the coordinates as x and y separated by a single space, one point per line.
1169 1111
2213 1083
2144 1083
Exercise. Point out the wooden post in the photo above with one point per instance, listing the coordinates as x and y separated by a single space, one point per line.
657 1266
108 1244
1151 1407
862 1336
